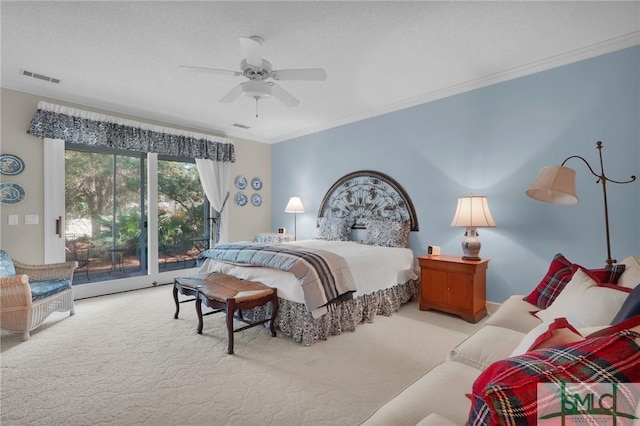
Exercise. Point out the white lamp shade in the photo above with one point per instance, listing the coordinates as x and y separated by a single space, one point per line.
554 184
294 206
473 212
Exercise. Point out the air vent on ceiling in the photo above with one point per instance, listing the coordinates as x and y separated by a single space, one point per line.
40 76
242 126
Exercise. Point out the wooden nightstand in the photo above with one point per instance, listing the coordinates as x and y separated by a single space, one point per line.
453 285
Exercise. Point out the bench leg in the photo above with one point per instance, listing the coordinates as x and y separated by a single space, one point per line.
199 312
231 307
175 299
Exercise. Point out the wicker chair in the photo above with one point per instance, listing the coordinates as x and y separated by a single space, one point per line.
30 293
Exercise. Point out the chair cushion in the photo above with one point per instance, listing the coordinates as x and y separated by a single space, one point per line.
6 265
46 288
486 346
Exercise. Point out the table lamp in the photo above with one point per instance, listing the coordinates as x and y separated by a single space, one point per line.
294 206
472 212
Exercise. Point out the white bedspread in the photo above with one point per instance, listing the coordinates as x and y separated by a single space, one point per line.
373 268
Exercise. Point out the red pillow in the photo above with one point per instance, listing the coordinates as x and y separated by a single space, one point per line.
559 332
559 274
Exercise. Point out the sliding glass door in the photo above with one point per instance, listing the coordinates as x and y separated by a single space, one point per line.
182 214
106 214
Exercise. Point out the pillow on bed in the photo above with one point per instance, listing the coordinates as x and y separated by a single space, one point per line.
387 233
559 274
335 228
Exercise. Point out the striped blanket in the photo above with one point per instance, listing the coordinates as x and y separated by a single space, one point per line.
324 276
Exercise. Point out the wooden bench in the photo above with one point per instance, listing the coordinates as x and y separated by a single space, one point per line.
226 293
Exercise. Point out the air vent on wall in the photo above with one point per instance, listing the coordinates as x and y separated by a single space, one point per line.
40 76
242 126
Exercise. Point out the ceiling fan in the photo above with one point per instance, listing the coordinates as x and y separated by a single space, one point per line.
258 71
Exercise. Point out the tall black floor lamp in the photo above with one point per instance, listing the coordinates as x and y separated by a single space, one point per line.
557 185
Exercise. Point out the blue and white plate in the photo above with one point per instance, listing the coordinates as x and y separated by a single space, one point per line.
256 183
241 182
241 199
11 165
256 200
11 193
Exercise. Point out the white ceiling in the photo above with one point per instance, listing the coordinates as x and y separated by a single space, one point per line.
379 56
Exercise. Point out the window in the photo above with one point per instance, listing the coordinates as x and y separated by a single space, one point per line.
106 214
182 214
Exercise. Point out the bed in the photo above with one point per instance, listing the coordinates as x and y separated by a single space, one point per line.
381 265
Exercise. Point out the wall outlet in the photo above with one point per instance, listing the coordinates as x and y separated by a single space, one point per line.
31 219
13 219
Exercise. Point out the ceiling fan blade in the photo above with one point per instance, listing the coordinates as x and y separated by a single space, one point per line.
233 94
209 70
283 96
252 46
311 74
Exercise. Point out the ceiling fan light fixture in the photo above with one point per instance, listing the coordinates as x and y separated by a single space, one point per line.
256 89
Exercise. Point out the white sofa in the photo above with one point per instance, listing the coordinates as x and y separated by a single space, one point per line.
439 396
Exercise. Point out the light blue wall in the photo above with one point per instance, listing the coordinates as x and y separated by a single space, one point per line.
493 141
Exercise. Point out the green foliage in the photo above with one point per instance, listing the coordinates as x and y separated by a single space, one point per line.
89 187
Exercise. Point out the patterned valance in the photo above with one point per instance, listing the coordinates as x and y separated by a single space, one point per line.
89 128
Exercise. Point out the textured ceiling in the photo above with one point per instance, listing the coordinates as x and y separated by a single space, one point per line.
379 56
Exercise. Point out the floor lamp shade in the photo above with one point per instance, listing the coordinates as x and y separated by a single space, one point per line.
555 185
472 212
294 206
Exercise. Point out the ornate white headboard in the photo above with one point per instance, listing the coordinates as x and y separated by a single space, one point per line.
364 194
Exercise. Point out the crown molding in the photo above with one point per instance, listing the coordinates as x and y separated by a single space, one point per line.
577 55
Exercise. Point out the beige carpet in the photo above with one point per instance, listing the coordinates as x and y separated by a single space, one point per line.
123 360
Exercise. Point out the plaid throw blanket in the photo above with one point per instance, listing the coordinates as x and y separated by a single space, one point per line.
506 392
324 276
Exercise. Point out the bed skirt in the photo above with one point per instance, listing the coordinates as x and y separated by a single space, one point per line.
295 321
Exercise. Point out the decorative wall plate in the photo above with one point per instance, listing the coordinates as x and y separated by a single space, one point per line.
11 193
241 182
11 165
256 200
241 199
256 183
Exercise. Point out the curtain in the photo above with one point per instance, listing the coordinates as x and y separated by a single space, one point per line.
89 128
214 176
213 154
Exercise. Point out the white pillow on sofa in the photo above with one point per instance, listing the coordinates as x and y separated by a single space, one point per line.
586 302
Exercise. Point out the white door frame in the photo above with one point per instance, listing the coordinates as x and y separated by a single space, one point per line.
54 208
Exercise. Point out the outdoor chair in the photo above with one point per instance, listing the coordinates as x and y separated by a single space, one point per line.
30 293
81 253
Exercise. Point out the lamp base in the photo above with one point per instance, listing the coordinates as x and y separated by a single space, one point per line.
471 245
471 258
